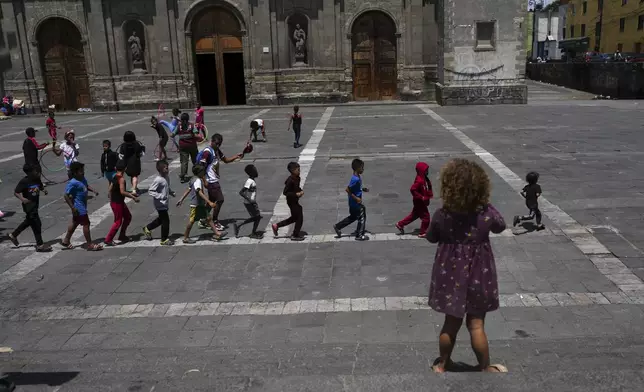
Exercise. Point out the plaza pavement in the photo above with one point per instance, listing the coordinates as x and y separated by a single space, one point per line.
333 314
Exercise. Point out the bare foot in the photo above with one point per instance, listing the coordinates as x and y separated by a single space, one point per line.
440 366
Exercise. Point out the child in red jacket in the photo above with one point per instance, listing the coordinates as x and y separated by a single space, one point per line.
421 191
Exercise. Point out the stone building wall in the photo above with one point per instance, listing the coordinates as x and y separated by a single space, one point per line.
483 54
170 75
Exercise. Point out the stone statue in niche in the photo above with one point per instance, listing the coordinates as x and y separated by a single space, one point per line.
136 52
299 39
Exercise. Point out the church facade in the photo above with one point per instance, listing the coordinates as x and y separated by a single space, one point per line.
121 54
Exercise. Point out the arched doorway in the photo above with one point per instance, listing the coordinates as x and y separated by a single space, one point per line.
63 64
373 49
219 58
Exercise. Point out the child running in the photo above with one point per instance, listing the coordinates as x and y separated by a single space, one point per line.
30 148
69 150
131 152
188 149
122 215
357 210
160 192
249 193
174 122
28 192
199 116
198 202
531 193
421 193
257 126
163 138
296 121
293 192
51 126
76 198
464 282
108 162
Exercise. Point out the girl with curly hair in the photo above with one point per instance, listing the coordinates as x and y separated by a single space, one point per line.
464 282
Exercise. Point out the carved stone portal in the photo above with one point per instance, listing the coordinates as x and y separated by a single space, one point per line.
298 26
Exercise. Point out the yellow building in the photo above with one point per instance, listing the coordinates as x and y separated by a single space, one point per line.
609 24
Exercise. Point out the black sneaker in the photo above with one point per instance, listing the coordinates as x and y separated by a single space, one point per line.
256 236
362 237
13 240
338 233
297 238
236 228
401 230
541 227
516 220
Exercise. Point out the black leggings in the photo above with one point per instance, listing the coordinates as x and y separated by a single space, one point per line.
298 130
31 220
162 220
355 214
534 212
255 216
296 217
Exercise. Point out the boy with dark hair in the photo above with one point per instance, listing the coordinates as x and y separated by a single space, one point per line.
160 192
531 193
249 193
69 150
51 125
257 126
296 121
108 161
76 198
198 209
28 192
293 192
30 147
357 210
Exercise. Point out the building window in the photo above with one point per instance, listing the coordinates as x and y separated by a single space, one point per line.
624 2
485 35
572 8
563 33
584 7
622 24
600 5
583 30
620 47
572 31
640 22
638 47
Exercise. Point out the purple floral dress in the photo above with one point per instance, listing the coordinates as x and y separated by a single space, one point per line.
464 273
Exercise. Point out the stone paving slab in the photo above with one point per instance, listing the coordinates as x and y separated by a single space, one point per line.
333 314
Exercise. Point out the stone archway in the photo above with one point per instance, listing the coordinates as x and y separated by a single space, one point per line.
373 53
219 57
63 63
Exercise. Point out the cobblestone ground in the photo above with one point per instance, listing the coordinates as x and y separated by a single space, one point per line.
333 314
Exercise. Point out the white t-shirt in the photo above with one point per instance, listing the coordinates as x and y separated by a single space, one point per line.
212 170
260 123
196 200
251 185
70 154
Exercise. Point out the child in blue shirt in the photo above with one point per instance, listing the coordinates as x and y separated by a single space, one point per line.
357 210
76 197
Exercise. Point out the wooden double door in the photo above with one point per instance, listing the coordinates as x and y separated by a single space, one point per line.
63 64
219 58
374 57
